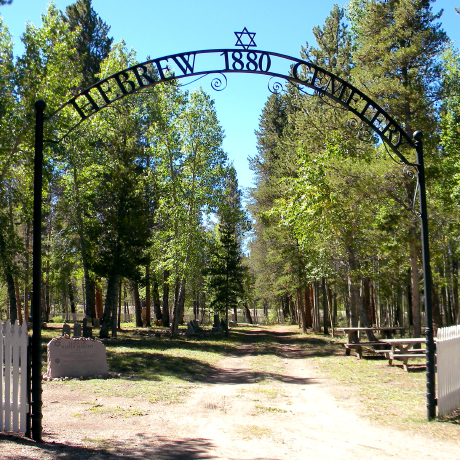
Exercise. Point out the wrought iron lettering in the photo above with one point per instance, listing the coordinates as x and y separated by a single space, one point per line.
188 63
275 65
332 89
295 73
82 108
143 79
126 86
160 68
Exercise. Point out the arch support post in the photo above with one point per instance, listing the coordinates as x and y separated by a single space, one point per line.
36 277
430 355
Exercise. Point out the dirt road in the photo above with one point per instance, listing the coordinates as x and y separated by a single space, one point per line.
287 411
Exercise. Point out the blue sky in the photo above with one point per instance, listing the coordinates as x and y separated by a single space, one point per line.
159 28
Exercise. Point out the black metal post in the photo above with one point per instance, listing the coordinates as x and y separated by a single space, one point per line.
36 275
430 373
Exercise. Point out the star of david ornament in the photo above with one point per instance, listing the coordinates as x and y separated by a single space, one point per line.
249 39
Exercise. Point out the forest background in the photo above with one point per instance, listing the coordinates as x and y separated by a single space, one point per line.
143 203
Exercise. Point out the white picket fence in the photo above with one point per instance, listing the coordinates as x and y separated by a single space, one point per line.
448 366
13 377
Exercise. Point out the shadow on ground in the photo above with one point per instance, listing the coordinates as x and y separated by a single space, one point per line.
145 360
130 449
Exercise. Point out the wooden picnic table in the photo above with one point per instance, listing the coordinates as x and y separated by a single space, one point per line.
353 338
387 331
402 349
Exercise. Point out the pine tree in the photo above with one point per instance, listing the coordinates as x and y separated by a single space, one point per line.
225 271
398 45
93 42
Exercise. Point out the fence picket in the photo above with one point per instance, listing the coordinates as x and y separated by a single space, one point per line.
24 404
7 357
14 407
1 377
448 367
15 348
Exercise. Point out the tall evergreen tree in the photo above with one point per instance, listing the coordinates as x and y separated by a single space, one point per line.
93 42
225 271
398 45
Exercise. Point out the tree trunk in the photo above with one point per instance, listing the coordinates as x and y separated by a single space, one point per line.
88 296
18 300
165 313
156 300
178 308
325 315
96 296
308 304
120 283
409 300
110 301
71 297
147 296
114 307
12 297
300 303
247 312
137 305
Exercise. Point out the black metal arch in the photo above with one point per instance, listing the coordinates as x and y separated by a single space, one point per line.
220 62
224 61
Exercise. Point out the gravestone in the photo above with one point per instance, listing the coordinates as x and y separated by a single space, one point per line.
190 329
193 328
76 330
87 327
76 358
66 329
216 327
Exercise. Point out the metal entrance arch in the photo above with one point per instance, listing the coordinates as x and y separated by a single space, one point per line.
218 63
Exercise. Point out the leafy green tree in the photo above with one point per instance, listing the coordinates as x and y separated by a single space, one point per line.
41 73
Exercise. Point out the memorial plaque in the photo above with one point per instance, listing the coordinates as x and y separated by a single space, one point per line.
76 358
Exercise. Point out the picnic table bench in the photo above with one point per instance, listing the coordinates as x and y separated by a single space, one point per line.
403 349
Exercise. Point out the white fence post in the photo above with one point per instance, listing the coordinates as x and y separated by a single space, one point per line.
7 364
448 367
1 376
14 386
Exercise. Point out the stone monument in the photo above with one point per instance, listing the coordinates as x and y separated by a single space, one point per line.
81 357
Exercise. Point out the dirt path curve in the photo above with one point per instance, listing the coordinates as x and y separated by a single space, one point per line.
250 409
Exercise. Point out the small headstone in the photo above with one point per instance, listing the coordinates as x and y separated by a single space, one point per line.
190 329
216 327
233 324
195 326
87 327
76 358
66 329
223 325
77 330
